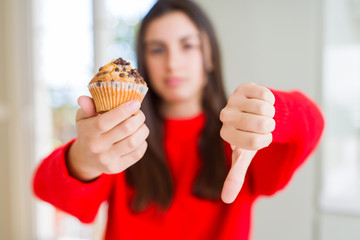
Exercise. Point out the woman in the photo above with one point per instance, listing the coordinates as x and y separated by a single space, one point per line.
194 147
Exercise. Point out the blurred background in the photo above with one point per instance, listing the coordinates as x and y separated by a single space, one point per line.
50 49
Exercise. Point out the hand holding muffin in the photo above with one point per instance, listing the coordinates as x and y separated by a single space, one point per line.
116 139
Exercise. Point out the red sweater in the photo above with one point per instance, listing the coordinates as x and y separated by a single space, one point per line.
299 125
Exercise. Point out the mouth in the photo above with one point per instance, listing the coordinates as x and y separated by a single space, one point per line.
173 81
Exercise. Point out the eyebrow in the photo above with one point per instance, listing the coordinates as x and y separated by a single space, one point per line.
182 39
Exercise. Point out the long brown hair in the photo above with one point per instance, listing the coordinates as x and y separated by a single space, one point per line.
151 177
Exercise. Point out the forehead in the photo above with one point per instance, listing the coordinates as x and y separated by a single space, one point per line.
171 26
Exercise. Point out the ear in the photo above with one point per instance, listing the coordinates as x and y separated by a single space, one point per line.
206 49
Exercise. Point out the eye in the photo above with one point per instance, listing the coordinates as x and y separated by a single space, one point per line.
156 51
188 46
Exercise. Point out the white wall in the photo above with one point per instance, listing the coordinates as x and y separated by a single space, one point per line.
4 164
276 43
15 121
341 28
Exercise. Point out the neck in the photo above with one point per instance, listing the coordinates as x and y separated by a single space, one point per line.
182 109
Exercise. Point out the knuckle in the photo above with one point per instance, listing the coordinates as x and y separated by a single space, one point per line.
133 158
254 142
272 124
221 116
145 146
265 141
261 126
137 155
262 109
147 131
263 93
141 116
224 115
270 139
268 125
140 153
272 111
239 90
128 128
99 125
132 142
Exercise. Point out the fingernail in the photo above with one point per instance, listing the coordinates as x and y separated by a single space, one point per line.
134 105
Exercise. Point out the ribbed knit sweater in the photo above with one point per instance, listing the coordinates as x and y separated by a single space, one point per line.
299 125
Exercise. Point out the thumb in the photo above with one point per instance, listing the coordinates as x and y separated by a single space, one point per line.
241 160
87 108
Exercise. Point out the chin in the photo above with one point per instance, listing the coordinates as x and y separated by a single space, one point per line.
175 98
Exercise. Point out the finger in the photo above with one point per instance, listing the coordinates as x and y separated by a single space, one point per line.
134 156
124 129
130 143
120 164
246 140
247 122
110 119
254 106
87 108
252 90
235 178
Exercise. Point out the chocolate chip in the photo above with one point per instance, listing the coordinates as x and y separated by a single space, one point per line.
121 61
122 75
124 69
101 68
99 74
98 83
117 69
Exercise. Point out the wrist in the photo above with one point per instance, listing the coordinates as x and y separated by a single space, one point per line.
75 166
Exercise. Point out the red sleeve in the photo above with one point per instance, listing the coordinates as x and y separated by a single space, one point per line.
299 126
52 183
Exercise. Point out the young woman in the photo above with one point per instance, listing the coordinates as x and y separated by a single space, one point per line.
195 147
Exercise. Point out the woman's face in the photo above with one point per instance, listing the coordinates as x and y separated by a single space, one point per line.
174 58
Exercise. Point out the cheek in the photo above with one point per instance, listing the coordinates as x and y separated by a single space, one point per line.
196 67
155 69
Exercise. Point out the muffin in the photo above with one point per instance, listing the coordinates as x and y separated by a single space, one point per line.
116 83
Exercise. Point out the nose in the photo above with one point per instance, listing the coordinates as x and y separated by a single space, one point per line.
173 60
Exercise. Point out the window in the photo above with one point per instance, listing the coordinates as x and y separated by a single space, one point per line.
72 39
63 46
341 72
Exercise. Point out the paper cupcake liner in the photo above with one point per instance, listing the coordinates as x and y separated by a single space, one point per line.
109 95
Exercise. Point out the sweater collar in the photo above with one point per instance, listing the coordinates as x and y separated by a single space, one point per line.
185 128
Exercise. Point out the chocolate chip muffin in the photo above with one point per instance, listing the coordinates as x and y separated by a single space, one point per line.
116 83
